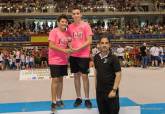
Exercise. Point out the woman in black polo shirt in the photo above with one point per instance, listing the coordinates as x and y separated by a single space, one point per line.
108 75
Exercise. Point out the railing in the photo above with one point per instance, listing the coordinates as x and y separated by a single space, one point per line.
132 36
106 13
96 37
15 39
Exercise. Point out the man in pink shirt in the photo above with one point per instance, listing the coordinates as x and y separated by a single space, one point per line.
81 35
58 59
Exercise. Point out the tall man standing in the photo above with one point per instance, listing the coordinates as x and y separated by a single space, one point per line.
108 76
81 34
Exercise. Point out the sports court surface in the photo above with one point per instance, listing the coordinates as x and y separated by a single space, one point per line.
139 87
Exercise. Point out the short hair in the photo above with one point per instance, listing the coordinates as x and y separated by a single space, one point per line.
62 16
76 7
104 36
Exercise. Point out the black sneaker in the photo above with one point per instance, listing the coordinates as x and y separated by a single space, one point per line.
88 104
60 103
77 102
53 107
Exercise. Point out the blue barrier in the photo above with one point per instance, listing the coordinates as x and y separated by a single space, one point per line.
15 39
137 36
133 36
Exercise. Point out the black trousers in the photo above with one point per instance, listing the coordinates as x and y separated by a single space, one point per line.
107 105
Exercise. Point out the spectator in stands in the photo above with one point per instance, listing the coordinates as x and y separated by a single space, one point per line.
27 60
1 61
161 55
120 54
6 59
127 57
44 55
12 60
143 52
22 60
155 51
37 60
31 61
135 55
18 62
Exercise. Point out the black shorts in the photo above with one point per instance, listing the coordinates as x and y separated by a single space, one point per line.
17 60
79 65
155 58
43 59
58 70
121 58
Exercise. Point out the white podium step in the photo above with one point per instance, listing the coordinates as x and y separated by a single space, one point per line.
123 110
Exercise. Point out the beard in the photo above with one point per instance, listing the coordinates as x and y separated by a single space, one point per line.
105 49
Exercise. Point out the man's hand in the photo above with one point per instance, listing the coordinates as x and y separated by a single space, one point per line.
70 47
75 50
112 94
68 51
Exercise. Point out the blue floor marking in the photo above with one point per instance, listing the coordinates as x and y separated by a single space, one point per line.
45 105
155 108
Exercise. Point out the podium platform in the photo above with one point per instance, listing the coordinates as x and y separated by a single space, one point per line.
43 107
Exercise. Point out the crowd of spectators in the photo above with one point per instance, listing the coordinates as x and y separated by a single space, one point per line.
114 27
99 27
16 59
28 6
133 55
22 29
37 58
7 29
19 59
146 29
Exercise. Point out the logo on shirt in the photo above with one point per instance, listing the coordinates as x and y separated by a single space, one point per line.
105 60
77 35
62 41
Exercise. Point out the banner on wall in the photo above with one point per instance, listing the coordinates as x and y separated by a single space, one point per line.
44 74
35 74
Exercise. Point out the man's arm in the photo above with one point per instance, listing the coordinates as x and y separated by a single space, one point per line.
87 43
116 85
54 47
95 73
117 80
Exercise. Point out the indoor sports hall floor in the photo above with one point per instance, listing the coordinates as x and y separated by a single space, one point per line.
145 87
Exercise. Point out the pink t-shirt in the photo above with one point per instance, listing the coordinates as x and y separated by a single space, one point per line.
60 39
79 34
